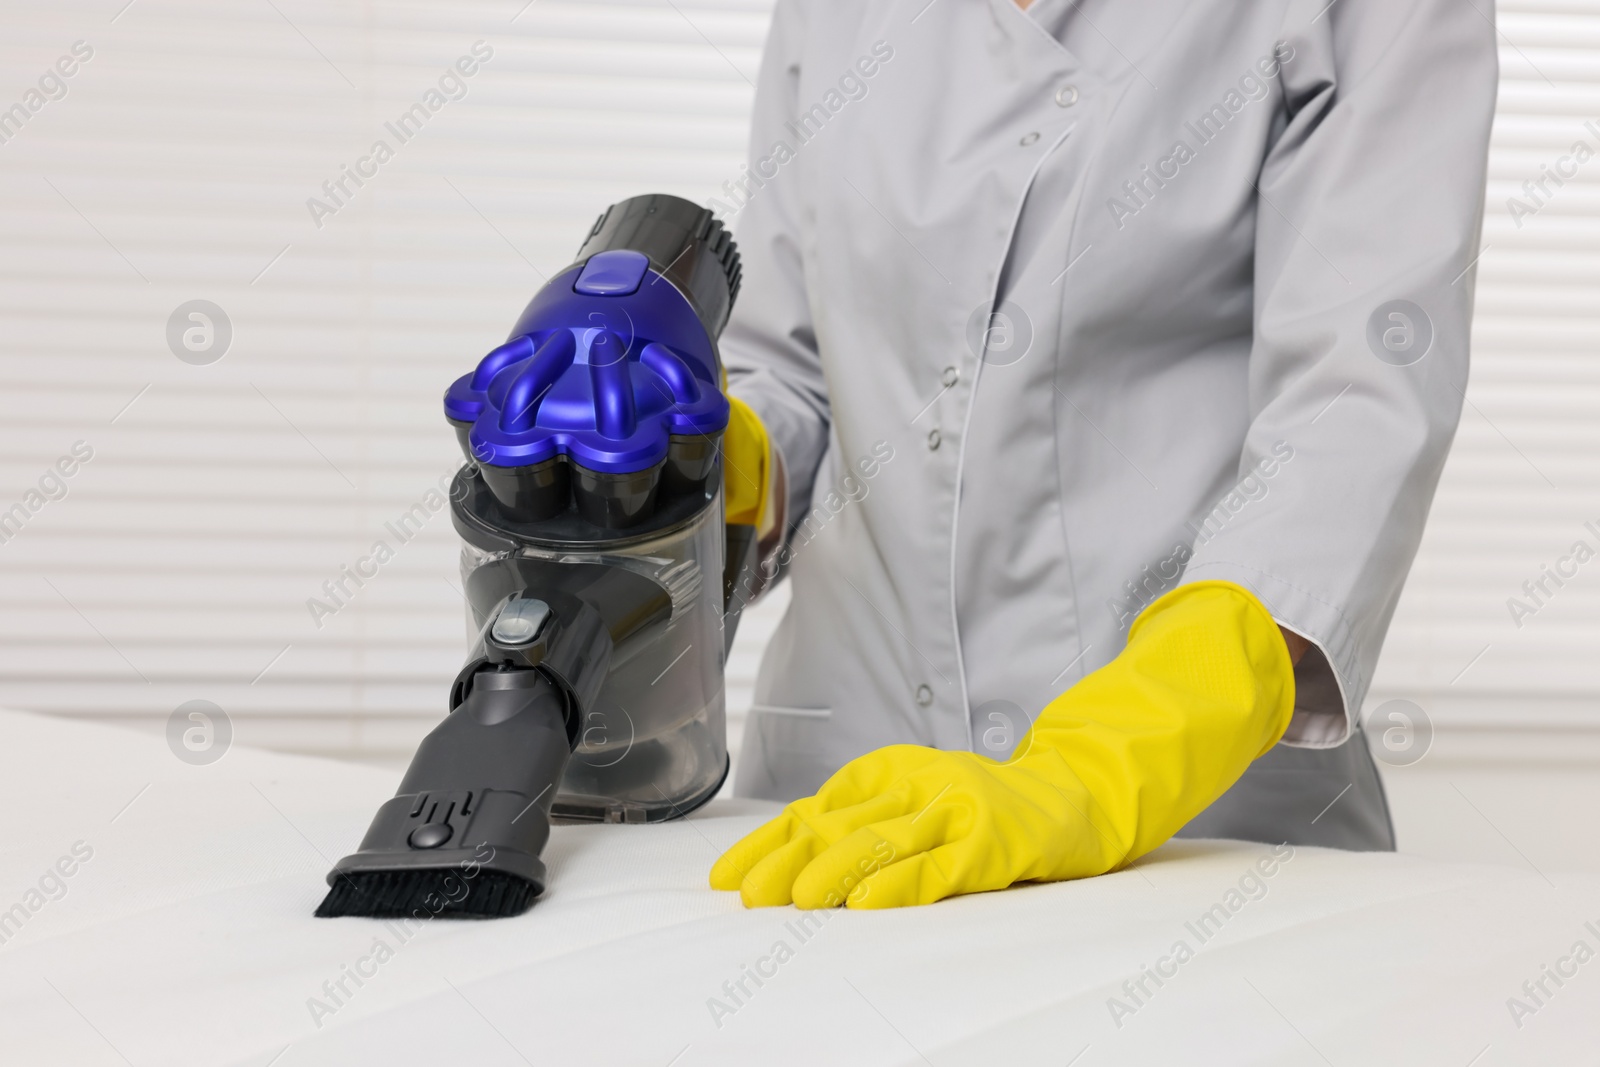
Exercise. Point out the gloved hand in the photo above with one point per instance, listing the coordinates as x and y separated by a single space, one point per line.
1109 771
746 466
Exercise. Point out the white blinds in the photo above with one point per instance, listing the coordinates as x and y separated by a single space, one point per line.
220 496
1524 476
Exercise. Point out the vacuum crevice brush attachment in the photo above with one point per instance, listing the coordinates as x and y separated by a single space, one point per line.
438 851
462 836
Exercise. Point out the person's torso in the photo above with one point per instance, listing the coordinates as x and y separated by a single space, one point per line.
1029 263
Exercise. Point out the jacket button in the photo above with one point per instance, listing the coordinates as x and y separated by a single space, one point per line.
1028 139
950 377
1067 95
924 696
933 440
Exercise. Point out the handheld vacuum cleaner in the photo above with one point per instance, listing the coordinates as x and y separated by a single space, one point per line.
598 574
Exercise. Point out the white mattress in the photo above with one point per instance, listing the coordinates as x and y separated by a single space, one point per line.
186 937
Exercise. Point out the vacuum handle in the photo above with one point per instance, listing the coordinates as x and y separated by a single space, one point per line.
738 572
683 241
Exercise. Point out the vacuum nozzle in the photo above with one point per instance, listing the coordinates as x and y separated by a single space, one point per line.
442 848
461 837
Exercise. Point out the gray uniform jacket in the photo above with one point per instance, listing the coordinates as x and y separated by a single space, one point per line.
1050 311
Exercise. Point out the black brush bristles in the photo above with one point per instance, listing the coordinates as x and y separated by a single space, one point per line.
428 893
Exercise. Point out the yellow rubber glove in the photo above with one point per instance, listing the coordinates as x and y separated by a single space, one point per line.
1111 769
746 465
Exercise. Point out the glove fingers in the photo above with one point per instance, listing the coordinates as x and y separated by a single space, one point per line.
838 872
973 863
734 865
745 465
764 865
770 882
919 879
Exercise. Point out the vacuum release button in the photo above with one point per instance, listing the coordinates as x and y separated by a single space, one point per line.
520 621
614 273
431 835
